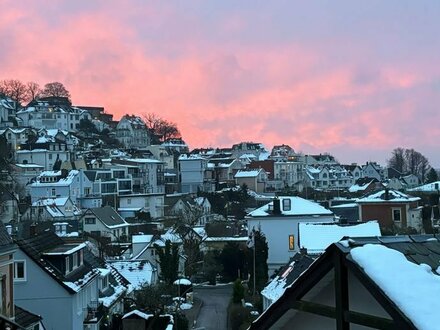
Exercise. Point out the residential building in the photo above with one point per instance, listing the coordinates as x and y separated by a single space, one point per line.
374 170
56 273
132 132
131 205
53 184
147 174
192 174
57 209
8 108
7 250
105 222
254 179
392 209
52 113
250 148
279 221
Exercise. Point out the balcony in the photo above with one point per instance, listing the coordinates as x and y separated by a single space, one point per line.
93 313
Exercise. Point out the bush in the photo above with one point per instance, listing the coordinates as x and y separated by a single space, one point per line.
237 316
237 291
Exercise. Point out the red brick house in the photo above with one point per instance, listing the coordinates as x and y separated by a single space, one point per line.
391 208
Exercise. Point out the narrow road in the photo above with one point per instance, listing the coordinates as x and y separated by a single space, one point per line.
213 314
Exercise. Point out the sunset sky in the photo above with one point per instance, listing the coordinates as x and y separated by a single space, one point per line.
353 78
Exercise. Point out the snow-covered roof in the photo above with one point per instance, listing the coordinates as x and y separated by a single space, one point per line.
415 289
67 181
60 201
394 196
429 187
138 313
138 273
248 173
141 239
316 237
29 165
356 187
299 207
190 157
182 281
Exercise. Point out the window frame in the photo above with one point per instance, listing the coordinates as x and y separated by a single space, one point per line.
16 278
394 209
291 242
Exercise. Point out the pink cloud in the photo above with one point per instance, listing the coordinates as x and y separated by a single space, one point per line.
221 92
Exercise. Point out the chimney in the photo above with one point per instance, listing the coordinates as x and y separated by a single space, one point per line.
64 173
387 194
276 206
32 230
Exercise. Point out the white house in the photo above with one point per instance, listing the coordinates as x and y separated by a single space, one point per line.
254 179
192 174
132 203
105 222
52 184
132 132
279 221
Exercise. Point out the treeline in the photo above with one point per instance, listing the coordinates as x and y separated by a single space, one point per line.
410 161
23 93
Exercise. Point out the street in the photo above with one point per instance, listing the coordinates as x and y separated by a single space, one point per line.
213 313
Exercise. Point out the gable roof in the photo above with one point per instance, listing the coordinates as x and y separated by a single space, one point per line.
38 246
388 196
299 207
411 302
109 217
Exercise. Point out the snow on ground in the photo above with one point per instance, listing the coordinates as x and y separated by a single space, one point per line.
415 289
186 306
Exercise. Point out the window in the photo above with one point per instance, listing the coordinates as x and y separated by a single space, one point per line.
291 242
90 221
397 216
128 201
20 270
53 192
286 204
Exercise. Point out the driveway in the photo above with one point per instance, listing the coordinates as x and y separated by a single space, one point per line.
215 300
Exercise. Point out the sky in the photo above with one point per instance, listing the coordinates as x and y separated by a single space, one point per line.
352 78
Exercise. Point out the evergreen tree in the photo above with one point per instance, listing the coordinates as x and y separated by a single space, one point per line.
233 260
168 262
261 268
237 291
432 176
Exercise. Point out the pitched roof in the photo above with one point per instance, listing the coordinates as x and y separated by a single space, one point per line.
37 248
388 196
25 318
108 216
377 262
299 207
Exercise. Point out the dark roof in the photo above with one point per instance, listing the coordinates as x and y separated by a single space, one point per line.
25 318
108 216
295 267
35 248
419 249
346 214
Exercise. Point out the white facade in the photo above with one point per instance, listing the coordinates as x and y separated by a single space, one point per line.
42 114
132 132
282 230
192 173
51 184
130 204
42 157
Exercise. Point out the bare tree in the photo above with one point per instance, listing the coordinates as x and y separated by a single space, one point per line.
14 89
160 129
56 89
409 161
33 91
397 160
